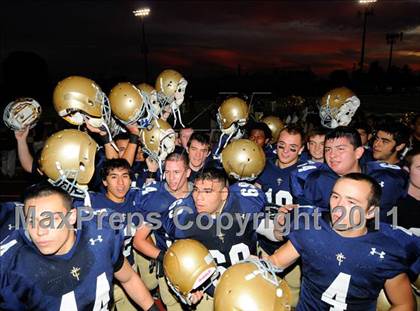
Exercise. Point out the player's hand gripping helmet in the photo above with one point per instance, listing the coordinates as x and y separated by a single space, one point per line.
68 159
170 86
188 265
158 139
22 113
251 285
128 105
243 159
337 107
275 125
150 96
79 99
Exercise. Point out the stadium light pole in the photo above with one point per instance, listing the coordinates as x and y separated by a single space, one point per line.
143 13
367 11
391 39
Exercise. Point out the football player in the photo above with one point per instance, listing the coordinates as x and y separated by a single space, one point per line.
120 199
390 142
156 198
224 219
51 266
275 178
358 262
198 149
343 150
409 206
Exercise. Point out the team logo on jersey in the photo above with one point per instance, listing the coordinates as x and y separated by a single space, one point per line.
382 184
221 236
11 227
279 181
98 239
75 272
340 258
373 252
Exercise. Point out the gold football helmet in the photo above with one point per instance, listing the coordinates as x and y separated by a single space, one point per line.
77 99
76 96
170 86
275 125
22 113
158 139
68 159
188 265
150 95
251 285
243 159
127 103
337 107
232 113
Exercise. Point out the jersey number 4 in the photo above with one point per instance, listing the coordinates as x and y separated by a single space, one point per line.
68 301
336 294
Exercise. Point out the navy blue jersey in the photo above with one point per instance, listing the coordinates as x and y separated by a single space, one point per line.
140 172
78 280
157 199
367 156
393 180
227 244
411 244
275 183
344 273
270 151
127 220
298 179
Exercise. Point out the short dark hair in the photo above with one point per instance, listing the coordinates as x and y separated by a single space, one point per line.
362 126
200 137
178 156
400 133
212 174
375 189
318 130
410 155
45 189
121 136
262 127
345 132
111 164
294 129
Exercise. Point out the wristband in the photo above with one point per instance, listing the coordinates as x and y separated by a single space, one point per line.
160 256
133 139
104 139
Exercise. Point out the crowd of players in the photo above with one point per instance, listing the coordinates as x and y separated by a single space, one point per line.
271 217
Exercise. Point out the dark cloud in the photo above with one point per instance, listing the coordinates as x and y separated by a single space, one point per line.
103 37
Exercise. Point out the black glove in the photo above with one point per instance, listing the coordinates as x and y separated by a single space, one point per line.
159 264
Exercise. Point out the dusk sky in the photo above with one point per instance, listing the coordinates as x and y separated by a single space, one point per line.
206 38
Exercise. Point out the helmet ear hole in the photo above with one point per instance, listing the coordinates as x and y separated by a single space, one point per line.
243 159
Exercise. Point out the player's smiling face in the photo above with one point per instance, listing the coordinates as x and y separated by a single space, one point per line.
341 156
44 229
289 146
197 153
316 147
209 195
117 184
